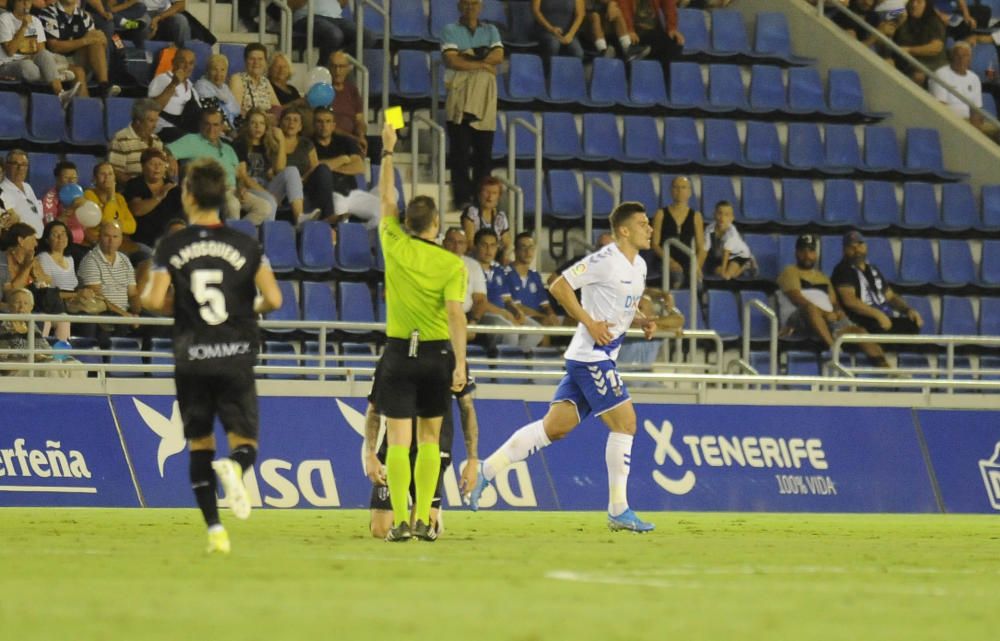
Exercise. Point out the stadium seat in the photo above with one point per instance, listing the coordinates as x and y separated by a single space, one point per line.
85 164
923 307
806 151
681 143
40 172
374 61
408 23
316 248
879 207
642 141
687 88
524 138
990 196
989 264
289 310
647 88
920 209
46 121
846 96
760 325
759 202
608 83
729 34
525 179
398 182
567 83
493 11
279 246
830 253
992 363
725 89
374 21
840 204
243 225
86 122
715 189
234 53
117 114
911 361
764 248
917 266
353 254
512 352
841 147
358 349
801 363
526 79
355 305
601 140
520 33
799 205
162 344
882 153
13 126
723 146
923 153
772 39
603 201
984 56
499 151
560 139
639 187
806 93
202 50
330 358
989 316
123 344
692 23
767 89
959 212
763 147
566 196
279 354
957 318
956 264
880 254
318 304
414 71
724 315
786 251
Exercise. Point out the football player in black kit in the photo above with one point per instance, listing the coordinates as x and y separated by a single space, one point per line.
216 273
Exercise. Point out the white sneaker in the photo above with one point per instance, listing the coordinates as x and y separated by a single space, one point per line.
231 476
66 95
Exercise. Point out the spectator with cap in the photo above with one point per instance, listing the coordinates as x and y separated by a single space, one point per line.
867 296
807 302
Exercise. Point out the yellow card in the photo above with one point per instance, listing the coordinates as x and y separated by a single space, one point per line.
394 116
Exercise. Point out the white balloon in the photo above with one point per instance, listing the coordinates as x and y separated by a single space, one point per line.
89 214
319 74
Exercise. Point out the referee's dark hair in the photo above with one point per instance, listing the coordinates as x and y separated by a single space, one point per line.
482 233
421 214
623 212
205 180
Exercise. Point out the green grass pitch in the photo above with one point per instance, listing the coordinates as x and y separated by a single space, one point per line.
303 575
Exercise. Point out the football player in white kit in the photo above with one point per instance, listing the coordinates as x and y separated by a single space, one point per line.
613 279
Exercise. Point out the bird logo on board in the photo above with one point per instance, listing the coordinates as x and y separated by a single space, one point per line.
170 430
990 469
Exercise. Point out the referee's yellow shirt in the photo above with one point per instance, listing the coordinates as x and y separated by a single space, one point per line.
419 277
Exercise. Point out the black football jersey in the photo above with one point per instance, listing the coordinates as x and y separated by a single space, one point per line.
212 270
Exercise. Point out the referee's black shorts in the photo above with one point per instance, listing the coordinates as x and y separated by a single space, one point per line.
419 386
230 394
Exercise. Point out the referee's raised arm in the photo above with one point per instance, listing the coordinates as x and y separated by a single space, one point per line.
386 174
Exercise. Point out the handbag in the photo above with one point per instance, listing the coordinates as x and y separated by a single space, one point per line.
86 305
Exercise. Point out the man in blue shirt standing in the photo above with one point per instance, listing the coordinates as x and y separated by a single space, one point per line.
471 51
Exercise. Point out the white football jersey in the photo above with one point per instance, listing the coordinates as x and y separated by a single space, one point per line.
612 288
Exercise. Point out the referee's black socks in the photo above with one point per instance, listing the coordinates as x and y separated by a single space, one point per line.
245 455
203 483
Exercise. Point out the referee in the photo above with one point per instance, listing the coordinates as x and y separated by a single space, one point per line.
424 356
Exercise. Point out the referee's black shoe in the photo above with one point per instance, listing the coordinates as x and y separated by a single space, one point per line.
399 533
424 532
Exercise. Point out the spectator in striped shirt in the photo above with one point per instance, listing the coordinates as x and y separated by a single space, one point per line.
125 151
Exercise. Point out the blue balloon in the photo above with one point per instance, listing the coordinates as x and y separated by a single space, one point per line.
69 193
321 94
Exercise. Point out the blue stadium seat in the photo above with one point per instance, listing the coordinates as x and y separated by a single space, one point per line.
526 78
121 344
880 254
805 149
882 153
601 140
378 258
499 150
984 56
840 204
799 205
920 209
493 11
760 360
723 146
841 147
289 310
692 23
764 248
408 23
414 72
830 253
374 61
917 266
603 201
681 143
845 94
354 303
13 126
879 207
279 354
759 202
786 251
202 50
40 176
729 34
234 53
522 26
316 248
398 181
46 122
989 316
567 83
318 303
358 349
330 358
923 153
724 314
715 189
85 164
760 326
374 21
763 145
959 212
801 363
353 253
608 83
86 122
923 307
957 317
806 93
279 246
524 138
642 141
639 187
647 88
512 352
767 89
566 196
955 260
162 344
560 139
990 196
88 344
911 361
725 89
525 179
772 39
243 225
117 115
687 88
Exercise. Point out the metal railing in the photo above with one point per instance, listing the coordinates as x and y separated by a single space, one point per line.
515 200
536 129
859 22
588 204
415 121
772 318
359 18
692 279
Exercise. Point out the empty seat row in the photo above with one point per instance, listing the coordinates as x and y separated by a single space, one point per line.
313 254
321 301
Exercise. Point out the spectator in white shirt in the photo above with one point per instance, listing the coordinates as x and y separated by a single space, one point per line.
966 83
23 53
173 90
17 194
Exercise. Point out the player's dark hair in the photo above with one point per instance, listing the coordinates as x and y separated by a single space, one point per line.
62 166
623 212
205 180
420 214
484 232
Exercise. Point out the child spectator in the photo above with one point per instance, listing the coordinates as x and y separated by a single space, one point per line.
728 254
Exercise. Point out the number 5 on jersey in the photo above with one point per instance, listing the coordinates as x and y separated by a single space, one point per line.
204 287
